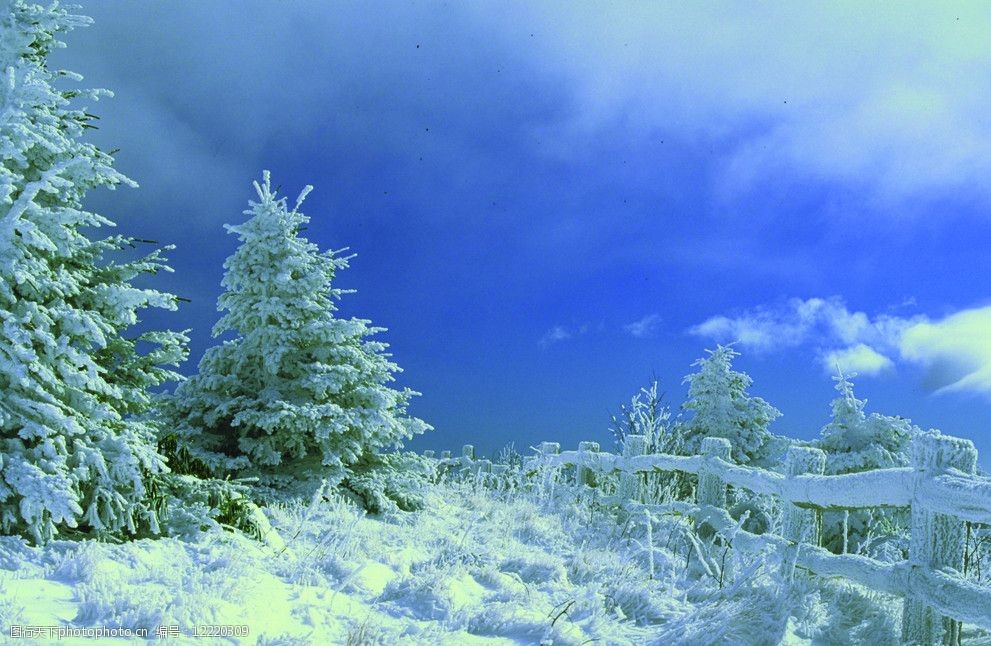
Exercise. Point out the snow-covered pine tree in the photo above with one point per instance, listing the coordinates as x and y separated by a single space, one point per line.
74 449
299 394
854 441
718 396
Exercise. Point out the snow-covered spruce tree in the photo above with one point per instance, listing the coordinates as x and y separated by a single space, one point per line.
75 448
299 394
854 441
717 395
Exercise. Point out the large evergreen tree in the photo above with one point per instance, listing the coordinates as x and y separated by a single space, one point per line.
75 448
298 393
718 396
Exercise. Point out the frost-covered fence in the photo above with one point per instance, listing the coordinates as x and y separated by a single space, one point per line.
941 488
467 463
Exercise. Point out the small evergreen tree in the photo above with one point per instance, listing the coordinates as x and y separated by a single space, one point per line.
75 448
718 396
647 415
854 441
299 394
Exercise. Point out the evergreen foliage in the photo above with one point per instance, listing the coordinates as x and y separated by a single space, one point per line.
854 441
298 395
188 505
647 415
391 482
76 449
718 396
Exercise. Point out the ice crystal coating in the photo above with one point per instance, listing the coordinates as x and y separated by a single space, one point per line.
298 393
718 396
76 451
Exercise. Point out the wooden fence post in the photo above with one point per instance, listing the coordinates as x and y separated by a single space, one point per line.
550 448
428 454
586 475
445 455
547 449
480 467
937 540
802 525
711 488
468 452
629 482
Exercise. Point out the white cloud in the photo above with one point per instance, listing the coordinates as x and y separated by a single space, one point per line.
861 359
954 352
758 331
888 101
554 335
645 327
799 321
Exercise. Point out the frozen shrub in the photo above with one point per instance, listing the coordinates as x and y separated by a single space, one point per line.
190 505
759 510
857 616
854 441
977 553
509 456
647 415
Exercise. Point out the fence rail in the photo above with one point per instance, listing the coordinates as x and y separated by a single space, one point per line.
957 494
940 487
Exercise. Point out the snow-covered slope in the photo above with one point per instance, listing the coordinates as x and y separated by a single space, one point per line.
475 567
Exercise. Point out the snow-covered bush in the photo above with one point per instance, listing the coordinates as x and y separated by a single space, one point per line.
299 394
759 511
854 441
190 505
853 615
717 395
75 449
390 481
509 456
977 553
647 415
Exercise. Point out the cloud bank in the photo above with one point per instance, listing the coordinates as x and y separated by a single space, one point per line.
954 351
887 102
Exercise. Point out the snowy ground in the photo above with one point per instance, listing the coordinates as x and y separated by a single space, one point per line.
475 567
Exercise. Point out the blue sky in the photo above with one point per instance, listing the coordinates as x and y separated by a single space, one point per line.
550 202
